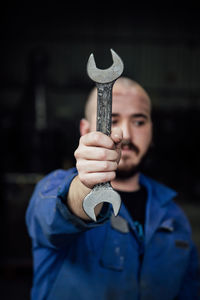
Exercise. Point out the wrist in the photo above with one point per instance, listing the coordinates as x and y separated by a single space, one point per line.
77 192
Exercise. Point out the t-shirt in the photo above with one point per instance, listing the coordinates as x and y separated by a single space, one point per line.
135 202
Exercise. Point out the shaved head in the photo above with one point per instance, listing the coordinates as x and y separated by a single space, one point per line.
123 85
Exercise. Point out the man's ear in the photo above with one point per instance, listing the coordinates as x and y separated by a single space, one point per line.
84 126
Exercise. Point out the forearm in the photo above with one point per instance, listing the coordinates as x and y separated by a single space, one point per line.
50 221
77 193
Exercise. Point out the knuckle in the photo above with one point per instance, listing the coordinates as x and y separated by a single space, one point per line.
81 140
103 154
78 165
75 154
81 166
112 175
87 181
96 137
105 165
115 164
102 177
79 152
107 176
83 178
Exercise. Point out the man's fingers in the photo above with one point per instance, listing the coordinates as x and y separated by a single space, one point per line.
97 139
117 136
97 157
96 166
96 153
91 179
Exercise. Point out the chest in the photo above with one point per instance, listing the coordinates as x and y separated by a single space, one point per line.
160 264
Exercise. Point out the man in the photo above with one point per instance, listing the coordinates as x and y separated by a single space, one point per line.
146 252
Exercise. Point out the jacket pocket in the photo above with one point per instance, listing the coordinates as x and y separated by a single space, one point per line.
113 255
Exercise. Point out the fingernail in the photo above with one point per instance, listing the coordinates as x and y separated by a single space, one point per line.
117 137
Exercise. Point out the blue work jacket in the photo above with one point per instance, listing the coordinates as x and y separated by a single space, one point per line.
108 259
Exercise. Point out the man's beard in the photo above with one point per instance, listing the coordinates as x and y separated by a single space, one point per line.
125 174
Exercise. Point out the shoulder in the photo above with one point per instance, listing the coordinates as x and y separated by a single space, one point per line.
57 175
179 215
55 180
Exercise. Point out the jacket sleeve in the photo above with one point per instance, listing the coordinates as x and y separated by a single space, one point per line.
190 288
49 221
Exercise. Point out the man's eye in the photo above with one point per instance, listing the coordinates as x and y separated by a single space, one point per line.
114 122
139 123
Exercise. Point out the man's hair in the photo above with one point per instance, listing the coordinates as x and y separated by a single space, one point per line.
120 82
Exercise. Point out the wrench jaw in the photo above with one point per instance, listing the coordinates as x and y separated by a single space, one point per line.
107 75
98 196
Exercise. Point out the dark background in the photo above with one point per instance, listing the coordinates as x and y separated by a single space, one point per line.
43 88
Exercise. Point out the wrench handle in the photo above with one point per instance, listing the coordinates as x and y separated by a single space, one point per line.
104 107
104 116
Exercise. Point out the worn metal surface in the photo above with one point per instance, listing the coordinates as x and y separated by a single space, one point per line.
101 193
104 107
104 79
107 75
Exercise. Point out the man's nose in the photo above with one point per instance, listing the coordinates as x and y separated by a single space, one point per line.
126 131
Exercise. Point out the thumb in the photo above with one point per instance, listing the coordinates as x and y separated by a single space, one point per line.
117 136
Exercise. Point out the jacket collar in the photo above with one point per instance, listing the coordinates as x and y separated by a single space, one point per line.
158 197
156 190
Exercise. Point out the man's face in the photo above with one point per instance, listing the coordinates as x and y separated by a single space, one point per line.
132 112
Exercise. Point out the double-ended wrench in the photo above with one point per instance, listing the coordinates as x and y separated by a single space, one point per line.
104 79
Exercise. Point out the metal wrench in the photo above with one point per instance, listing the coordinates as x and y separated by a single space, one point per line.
104 79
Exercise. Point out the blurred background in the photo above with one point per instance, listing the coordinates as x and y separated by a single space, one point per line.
43 88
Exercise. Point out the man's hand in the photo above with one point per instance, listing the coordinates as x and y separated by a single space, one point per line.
97 158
